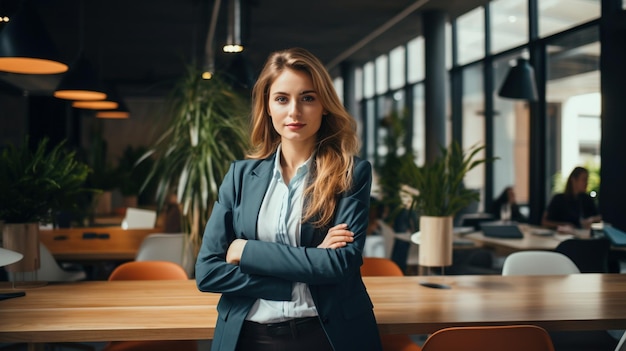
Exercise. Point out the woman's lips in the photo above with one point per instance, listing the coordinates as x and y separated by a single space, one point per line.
295 126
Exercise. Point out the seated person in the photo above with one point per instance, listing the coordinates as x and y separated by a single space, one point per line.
573 209
507 197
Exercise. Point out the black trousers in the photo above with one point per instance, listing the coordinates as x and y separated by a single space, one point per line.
301 334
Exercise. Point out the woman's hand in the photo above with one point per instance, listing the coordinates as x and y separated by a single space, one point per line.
235 250
586 222
337 236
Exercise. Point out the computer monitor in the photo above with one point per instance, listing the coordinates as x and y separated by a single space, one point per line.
501 230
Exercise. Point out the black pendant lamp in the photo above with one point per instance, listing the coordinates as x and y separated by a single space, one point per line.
121 112
80 83
26 47
233 40
520 82
111 103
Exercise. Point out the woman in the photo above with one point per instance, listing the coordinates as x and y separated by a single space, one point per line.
574 208
283 243
507 200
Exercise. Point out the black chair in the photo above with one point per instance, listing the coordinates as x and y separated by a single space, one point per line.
590 255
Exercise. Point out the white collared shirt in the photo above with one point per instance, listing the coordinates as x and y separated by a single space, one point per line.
280 219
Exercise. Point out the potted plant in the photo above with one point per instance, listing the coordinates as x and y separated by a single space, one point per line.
34 186
103 177
132 175
206 132
439 195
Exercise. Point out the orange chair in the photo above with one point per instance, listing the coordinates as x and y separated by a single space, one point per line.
490 338
150 270
378 266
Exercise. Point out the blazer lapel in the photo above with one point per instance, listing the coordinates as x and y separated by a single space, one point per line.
255 183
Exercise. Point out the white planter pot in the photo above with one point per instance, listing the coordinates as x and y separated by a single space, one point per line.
435 241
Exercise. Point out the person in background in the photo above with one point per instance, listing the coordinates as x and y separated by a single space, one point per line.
507 200
574 208
284 241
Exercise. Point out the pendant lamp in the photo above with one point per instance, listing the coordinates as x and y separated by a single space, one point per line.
233 40
520 82
25 46
121 112
112 101
80 83
96 104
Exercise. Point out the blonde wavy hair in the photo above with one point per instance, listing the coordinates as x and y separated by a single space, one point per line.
337 141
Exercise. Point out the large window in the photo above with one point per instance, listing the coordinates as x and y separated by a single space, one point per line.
474 121
418 142
572 117
573 97
558 15
415 55
508 24
397 68
511 133
471 36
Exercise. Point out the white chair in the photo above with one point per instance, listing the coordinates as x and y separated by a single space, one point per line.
171 247
50 270
538 263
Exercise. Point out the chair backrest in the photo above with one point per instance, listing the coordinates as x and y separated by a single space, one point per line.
589 255
50 270
490 338
378 266
148 270
166 247
538 263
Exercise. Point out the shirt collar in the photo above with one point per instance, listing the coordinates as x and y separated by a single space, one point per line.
302 169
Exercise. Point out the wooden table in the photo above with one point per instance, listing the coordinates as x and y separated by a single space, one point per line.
531 240
94 243
159 310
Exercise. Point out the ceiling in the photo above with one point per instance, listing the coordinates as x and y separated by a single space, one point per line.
142 46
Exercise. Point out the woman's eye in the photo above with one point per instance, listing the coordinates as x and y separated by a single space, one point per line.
308 98
281 99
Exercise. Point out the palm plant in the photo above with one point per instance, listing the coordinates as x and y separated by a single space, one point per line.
440 183
206 132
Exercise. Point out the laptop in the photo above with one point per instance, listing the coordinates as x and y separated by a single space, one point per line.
137 218
617 237
501 230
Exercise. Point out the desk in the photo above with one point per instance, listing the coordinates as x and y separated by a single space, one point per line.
160 310
94 243
529 242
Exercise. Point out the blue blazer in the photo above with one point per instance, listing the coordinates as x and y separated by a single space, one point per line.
267 270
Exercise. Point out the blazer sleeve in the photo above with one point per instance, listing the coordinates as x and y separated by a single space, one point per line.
213 273
312 265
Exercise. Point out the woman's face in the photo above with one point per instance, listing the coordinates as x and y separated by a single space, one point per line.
579 184
295 107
